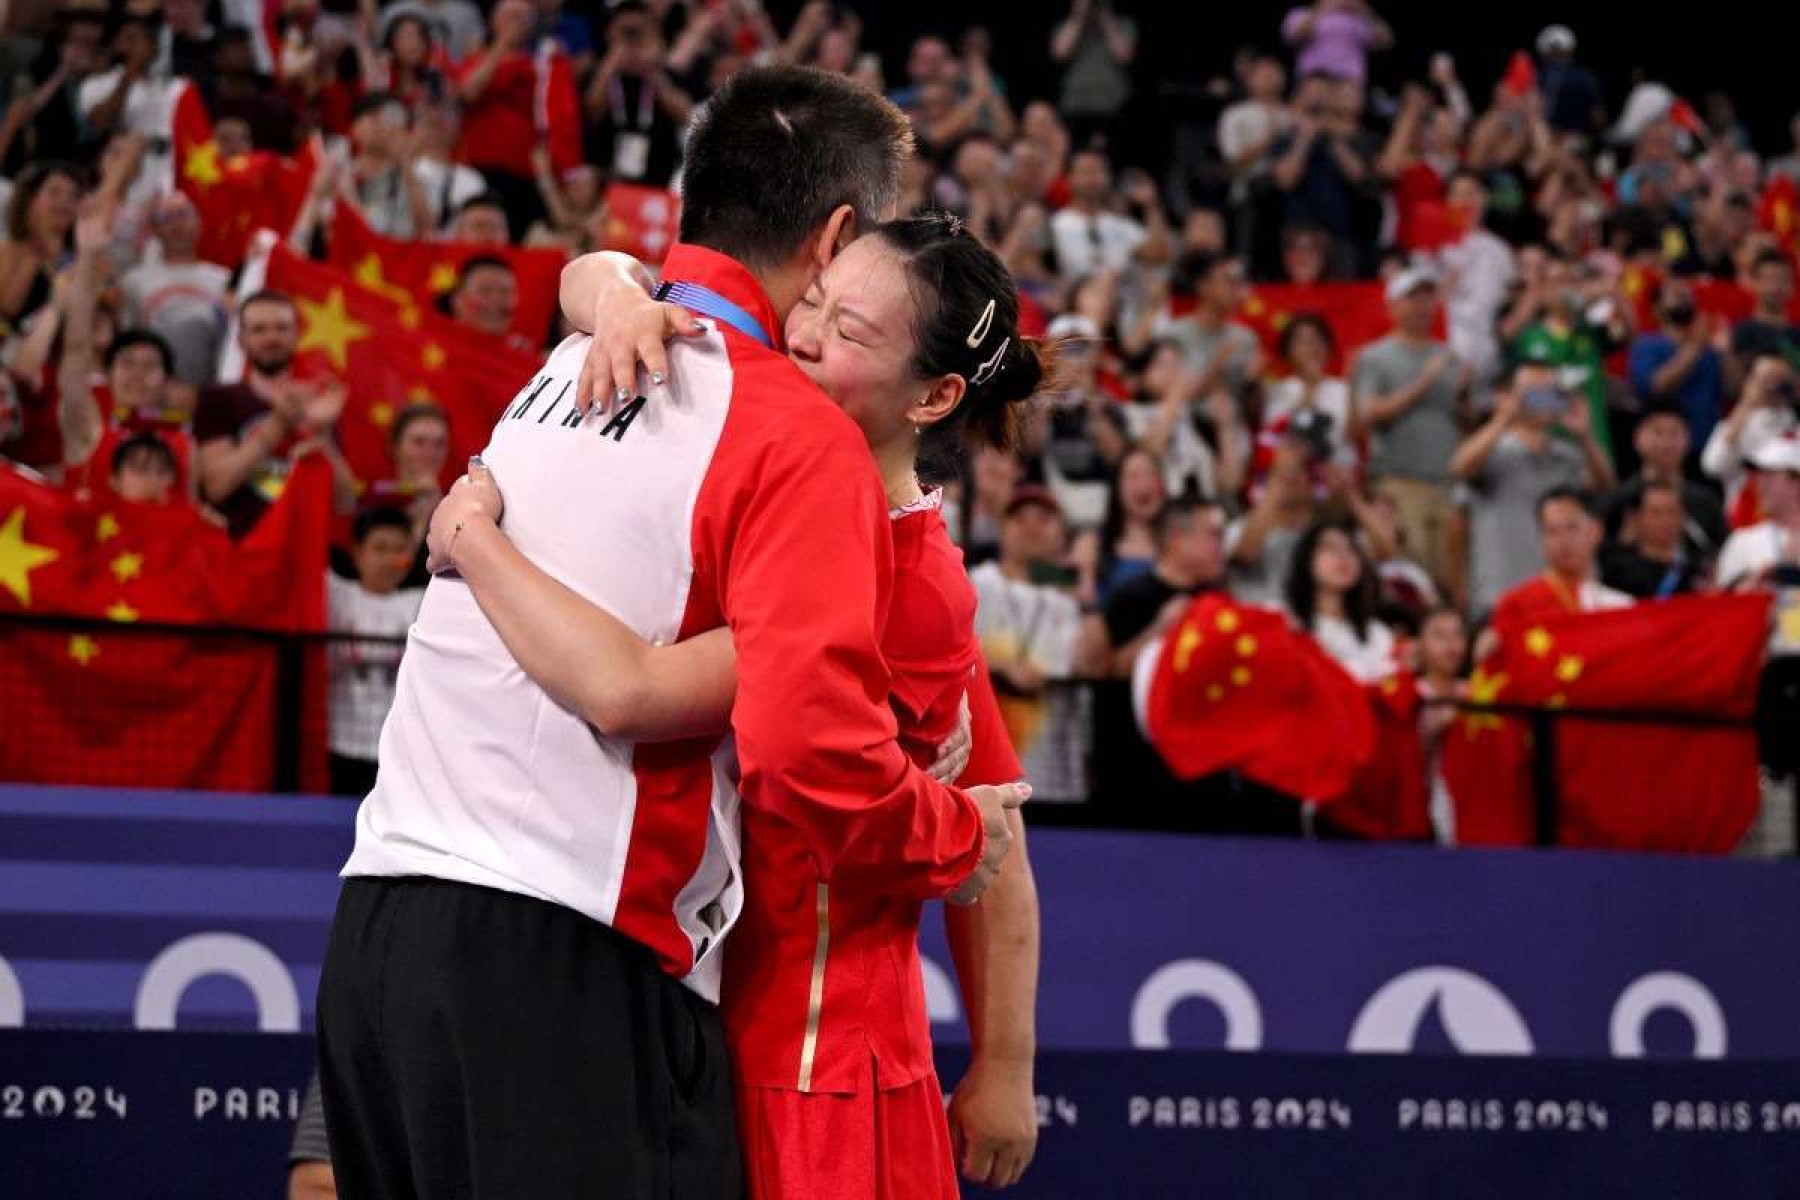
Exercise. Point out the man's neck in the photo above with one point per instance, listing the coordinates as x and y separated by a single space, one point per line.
1016 569
1172 574
1210 317
1572 583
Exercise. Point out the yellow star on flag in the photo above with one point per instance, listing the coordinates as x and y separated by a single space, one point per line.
1185 645
421 394
1246 646
1228 621
1254 307
127 567
368 273
433 357
106 528
441 279
122 612
1240 675
1558 701
1483 689
202 166
83 649
381 415
1538 642
1568 668
19 558
1214 692
329 327
409 317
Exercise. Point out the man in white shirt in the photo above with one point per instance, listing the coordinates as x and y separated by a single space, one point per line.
1754 557
1248 128
132 98
180 297
1478 270
1090 238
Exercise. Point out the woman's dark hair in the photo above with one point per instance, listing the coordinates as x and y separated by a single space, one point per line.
128 338
966 322
1305 320
412 414
31 182
382 517
146 448
1112 528
1302 591
425 32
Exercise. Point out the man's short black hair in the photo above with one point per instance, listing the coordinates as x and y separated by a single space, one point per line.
384 517
478 262
266 296
1766 257
1178 513
375 102
1576 496
481 200
144 445
1663 407
140 337
777 150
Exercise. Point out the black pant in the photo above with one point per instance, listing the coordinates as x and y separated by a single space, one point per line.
474 1043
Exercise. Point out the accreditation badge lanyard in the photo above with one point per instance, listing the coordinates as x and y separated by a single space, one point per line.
709 303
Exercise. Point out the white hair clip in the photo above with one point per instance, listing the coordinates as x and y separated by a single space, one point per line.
991 367
979 334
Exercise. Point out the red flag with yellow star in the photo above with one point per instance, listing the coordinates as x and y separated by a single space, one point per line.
1387 797
234 196
420 273
390 353
1356 313
1621 785
1237 688
137 706
642 221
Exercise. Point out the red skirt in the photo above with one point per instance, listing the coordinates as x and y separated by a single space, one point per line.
876 1144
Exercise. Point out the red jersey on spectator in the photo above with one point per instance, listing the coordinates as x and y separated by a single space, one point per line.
1550 596
500 125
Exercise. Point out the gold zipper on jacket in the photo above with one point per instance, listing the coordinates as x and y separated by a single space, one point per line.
815 1000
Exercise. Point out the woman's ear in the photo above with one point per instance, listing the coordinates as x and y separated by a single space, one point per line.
939 401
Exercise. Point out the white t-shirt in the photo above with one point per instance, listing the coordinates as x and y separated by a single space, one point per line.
1087 243
1250 123
184 302
1479 270
147 109
1369 659
1284 397
1749 552
363 673
448 186
1027 622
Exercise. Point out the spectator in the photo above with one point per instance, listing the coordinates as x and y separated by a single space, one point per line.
448 185
1768 329
942 116
1442 661
251 433
498 90
1307 349
975 518
575 203
1321 166
1768 408
570 32
1421 152
481 220
1305 255
407 64
383 184
1569 541
1249 128
44 121
129 98
1334 38
369 619
1089 237
40 226
188 40
486 296
1572 321
455 24
1537 441
1080 433
928 62
1723 218
1095 47
1199 437
1478 270
1767 555
143 470
1653 563
635 110
1409 388
1220 352
1332 593
1261 542
1027 621
1190 560
178 296
237 90
1661 440
1678 362
420 445
1124 547
1571 92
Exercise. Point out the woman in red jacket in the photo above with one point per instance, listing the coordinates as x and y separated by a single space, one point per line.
913 330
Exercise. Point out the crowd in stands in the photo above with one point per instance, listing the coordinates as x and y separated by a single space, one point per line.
1395 359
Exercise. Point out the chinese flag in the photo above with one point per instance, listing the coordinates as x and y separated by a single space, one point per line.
391 353
1387 798
1237 688
234 196
1636 786
642 221
556 106
143 705
419 273
1356 313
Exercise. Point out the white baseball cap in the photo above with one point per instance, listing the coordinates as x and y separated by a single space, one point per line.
1778 454
1556 38
1408 280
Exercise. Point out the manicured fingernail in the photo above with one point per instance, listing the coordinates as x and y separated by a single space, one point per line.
656 378
622 395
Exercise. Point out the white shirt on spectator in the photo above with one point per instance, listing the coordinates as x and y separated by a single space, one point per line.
1724 459
1089 243
1368 659
1752 550
1478 271
184 302
363 673
149 112
1035 624
1285 397
448 186
1250 123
